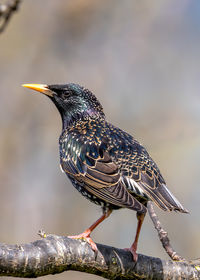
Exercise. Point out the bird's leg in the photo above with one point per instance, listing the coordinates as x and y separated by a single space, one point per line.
133 248
86 234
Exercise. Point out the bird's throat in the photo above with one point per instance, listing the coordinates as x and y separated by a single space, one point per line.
70 118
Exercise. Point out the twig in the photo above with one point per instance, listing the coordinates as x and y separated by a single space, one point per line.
6 10
163 235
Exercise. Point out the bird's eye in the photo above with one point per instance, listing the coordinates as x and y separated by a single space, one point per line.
66 94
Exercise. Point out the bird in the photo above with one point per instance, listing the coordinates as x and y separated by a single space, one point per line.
105 164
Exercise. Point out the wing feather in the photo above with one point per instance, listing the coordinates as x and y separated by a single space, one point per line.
144 176
94 166
117 169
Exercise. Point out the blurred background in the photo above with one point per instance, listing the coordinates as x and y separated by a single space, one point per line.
141 59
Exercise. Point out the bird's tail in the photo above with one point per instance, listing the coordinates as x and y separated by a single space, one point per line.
172 200
164 198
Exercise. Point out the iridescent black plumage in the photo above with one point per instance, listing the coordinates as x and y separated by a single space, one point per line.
89 144
105 164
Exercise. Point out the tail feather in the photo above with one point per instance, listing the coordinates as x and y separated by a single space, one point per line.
172 200
164 198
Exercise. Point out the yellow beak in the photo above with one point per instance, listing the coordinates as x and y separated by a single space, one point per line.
39 87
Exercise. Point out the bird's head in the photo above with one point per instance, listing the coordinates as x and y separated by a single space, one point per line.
73 101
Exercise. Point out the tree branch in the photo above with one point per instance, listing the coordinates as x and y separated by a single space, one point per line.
163 235
6 11
55 254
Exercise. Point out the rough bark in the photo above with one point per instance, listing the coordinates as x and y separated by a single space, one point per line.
55 254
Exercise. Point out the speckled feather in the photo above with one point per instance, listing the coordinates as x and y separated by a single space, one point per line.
111 168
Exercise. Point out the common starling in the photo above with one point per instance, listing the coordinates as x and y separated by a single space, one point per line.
104 163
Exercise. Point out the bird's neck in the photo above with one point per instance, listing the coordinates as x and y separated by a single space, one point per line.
70 119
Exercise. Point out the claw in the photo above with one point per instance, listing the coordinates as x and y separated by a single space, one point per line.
85 236
133 252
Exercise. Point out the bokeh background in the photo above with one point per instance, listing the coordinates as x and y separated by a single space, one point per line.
141 58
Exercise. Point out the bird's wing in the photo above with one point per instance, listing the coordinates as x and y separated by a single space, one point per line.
93 165
141 175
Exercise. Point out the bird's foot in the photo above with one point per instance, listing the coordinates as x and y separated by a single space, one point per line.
86 236
133 250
